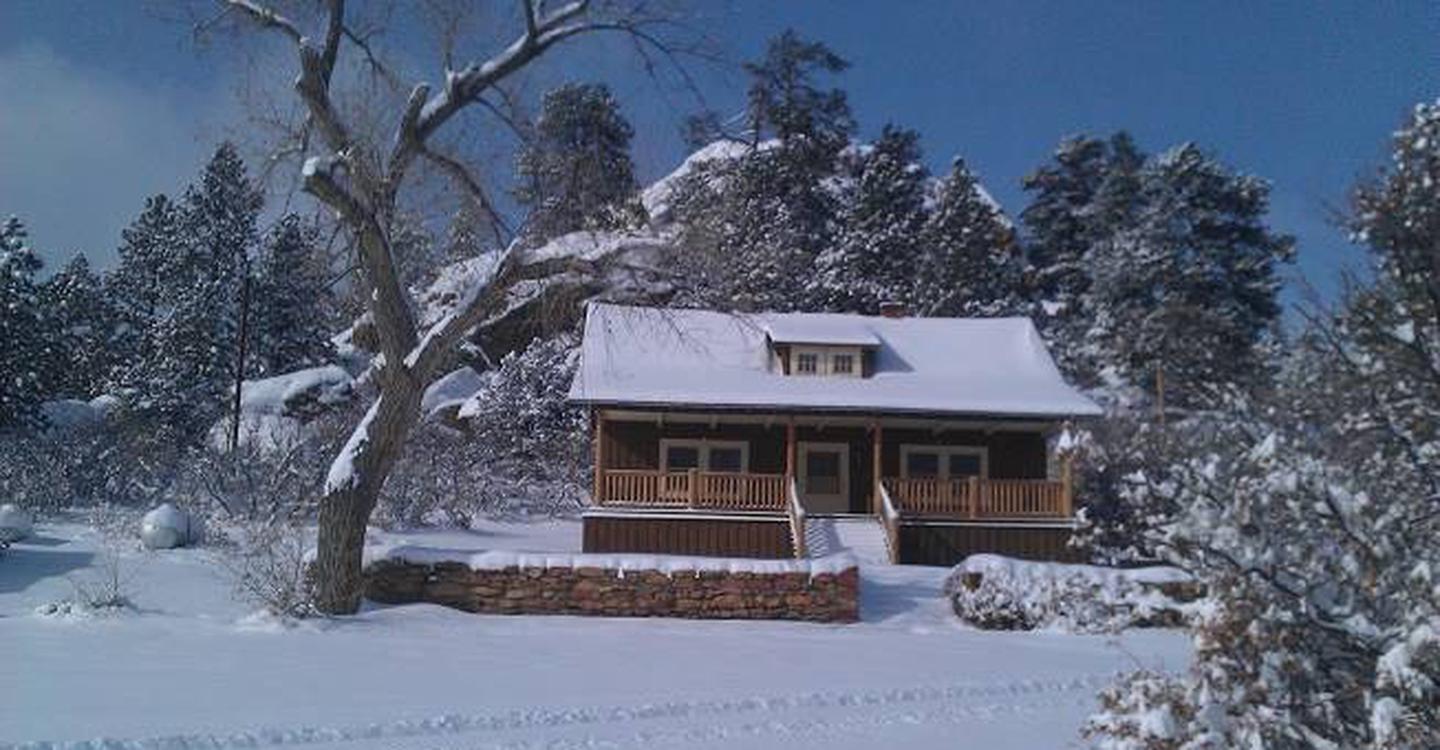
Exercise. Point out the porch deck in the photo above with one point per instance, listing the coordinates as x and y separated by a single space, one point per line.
971 498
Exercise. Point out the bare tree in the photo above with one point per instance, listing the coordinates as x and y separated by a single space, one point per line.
359 178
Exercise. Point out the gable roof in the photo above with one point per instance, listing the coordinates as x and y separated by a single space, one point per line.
643 356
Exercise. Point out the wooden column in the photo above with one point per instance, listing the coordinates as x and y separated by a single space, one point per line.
876 442
1067 486
789 454
597 417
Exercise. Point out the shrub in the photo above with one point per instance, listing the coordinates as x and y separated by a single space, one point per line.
994 593
270 568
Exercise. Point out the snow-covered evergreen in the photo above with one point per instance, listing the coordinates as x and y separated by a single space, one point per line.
875 255
25 352
971 262
575 171
291 302
83 327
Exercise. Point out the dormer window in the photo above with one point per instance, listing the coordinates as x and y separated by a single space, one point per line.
836 361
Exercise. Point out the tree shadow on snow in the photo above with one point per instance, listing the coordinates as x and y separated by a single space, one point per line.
21 567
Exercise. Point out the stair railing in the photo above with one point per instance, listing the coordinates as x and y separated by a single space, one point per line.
797 519
890 521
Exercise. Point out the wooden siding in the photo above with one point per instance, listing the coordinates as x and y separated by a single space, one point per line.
1013 455
636 445
766 538
924 543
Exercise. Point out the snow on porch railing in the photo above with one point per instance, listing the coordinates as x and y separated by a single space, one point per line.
972 497
707 490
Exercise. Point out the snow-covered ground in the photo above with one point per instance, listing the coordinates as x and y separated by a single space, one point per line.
191 669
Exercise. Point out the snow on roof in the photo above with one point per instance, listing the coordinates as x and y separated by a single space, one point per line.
961 366
837 330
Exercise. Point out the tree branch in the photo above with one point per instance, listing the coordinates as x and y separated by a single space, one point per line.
472 187
267 18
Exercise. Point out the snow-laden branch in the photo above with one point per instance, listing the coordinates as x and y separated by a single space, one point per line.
440 337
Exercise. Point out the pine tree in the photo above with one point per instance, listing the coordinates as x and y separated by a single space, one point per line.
1190 289
140 289
971 264
1153 265
291 301
465 237
24 351
196 258
83 327
876 256
575 172
1065 220
783 100
753 227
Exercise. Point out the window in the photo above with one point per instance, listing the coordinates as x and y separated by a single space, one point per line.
728 456
807 363
943 461
842 364
681 457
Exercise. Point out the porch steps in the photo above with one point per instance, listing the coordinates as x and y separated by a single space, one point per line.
861 536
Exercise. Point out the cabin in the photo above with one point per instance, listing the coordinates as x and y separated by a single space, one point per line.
723 434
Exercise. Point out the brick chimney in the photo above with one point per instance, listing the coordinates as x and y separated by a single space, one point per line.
892 309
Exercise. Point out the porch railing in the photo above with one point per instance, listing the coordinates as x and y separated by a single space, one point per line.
973 497
691 489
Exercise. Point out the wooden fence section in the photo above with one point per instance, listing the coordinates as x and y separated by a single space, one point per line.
691 489
973 497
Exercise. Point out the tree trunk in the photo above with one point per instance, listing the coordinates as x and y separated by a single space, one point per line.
346 506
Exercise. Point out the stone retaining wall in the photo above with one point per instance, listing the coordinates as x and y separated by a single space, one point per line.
829 595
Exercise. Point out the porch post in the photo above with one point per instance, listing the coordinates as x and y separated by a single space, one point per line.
597 416
1067 486
877 440
789 453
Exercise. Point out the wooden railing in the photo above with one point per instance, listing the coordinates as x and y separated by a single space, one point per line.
890 521
972 497
691 489
797 519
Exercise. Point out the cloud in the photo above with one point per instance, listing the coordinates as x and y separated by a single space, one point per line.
81 149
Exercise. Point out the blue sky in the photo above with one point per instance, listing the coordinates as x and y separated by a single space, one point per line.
106 102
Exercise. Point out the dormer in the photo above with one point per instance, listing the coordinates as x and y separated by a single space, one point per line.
821 347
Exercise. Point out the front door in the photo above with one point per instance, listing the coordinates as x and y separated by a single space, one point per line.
824 480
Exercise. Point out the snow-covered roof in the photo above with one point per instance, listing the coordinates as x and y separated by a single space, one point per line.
836 330
642 356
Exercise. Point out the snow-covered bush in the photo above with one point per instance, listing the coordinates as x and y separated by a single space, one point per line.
168 527
122 459
997 593
270 568
1143 711
15 523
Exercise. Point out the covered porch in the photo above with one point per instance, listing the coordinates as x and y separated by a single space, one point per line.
767 463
